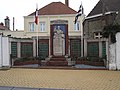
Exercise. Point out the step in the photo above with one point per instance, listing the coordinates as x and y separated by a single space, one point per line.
58 56
57 63
57 59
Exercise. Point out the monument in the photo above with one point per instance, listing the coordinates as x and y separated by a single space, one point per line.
58 42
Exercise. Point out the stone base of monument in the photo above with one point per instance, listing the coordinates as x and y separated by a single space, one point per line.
57 61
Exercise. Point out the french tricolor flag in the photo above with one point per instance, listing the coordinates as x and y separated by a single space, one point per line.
36 15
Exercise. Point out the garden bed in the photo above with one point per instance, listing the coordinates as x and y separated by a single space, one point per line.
90 63
26 61
17 63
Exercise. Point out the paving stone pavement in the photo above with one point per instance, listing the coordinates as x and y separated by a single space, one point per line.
22 88
56 79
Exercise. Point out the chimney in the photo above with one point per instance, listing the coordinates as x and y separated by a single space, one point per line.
67 2
7 22
2 24
13 23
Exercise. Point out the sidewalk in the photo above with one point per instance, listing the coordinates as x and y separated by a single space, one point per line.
60 79
77 67
20 88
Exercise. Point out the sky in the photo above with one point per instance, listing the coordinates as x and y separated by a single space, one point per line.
21 8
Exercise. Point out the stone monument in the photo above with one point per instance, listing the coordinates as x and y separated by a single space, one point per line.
58 42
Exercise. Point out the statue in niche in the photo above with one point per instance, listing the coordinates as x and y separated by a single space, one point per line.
58 42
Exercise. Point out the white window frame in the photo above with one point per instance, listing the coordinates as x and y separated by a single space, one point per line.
31 26
98 36
42 26
77 26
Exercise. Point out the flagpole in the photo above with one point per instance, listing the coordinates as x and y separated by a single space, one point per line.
37 39
36 21
82 11
82 38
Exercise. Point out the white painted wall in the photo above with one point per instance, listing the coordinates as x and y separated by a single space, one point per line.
114 54
0 50
118 50
112 59
47 18
17 34
5 51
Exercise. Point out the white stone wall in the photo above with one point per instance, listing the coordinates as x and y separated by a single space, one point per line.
4 52
118 50
112 57
114 54
0 50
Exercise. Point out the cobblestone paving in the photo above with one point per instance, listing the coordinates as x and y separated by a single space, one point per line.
61 79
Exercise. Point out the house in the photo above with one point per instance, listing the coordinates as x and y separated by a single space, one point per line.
105 12
62 17
55 37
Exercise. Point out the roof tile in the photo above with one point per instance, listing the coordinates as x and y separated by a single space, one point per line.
55 8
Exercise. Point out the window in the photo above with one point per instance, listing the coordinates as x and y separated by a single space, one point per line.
31 26
42 26
77 26
97 35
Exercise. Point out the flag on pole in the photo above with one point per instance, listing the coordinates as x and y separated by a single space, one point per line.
79 13
36 15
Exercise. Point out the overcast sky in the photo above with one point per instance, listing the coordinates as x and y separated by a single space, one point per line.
20 8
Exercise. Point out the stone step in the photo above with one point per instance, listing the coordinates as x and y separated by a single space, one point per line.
57 63
57 59
58 56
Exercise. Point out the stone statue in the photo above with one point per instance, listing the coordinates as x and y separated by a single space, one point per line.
58 42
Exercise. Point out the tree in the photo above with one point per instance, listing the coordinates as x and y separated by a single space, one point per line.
110 31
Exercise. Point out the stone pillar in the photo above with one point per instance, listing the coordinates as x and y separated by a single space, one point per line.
34 47
0 50
107 53
118 51
18 49
100 49
50 48
69 48
112 59
85 47
5 52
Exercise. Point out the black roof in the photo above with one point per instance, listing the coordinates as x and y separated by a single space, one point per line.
106 6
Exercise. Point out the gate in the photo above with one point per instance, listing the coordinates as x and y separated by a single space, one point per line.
27 49
104 49
75 48
93 49
43 50
14 49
